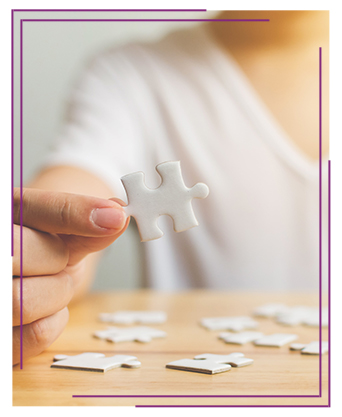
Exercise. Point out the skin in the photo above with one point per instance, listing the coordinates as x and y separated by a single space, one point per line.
60 241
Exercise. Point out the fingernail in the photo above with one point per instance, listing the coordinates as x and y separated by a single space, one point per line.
109 218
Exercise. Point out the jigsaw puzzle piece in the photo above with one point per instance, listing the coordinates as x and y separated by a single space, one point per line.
293 316
201 366
94 362
240 338
132 317
140 334
235 324
313 319
171 198
275 340
302 315
236 359
270 310
210 363
310 348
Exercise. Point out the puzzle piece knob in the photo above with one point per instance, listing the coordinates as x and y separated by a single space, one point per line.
131 364
200 190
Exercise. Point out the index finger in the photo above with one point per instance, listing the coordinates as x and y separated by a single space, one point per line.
66 213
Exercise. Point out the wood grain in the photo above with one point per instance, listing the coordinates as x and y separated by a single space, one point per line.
276 372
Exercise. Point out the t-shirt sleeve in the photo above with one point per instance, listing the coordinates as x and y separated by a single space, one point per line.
103 132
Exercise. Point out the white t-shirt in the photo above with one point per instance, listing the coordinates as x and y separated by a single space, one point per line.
183 99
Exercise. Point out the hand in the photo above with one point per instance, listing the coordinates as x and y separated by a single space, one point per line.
59 231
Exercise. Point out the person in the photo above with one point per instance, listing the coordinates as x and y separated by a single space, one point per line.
237 104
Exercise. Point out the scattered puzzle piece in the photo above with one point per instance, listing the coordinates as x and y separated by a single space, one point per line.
269 310
235 324
172 198
209 363
95 362
293 316
236 359
194 365
275 340
132 317
240 338
132 334
313 319
310 348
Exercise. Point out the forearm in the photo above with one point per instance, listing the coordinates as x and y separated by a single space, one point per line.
71 180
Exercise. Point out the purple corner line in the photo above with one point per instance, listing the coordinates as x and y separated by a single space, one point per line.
329 281
320 221
21 122
109 10
21 117
145 20
230 406
96 20
12 130
194 396
21 195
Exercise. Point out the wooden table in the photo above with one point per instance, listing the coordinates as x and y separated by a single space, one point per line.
277 377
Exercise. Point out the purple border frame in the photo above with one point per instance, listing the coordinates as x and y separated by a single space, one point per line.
320 202
109 10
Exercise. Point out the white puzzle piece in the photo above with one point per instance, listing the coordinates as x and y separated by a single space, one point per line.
194 365
309 316
293 316
210 363
310 348
172 198
95 362
269 310
236 359
141 334
235 324
132 317
240 338
313 319
275 340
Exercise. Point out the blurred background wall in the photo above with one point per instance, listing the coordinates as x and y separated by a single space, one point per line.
54 53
